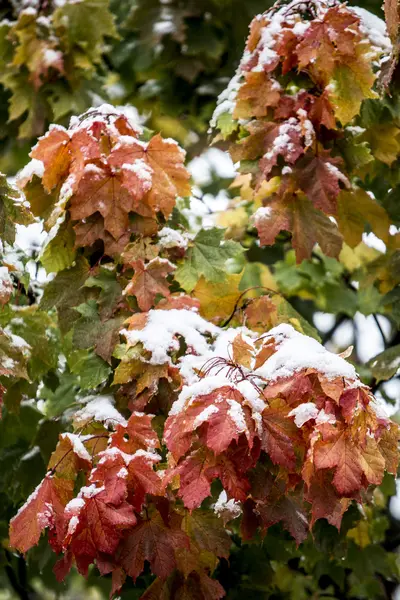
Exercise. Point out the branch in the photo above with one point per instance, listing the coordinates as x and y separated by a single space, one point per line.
329 334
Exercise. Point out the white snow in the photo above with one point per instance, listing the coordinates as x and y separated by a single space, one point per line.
101 409
142 170
6 284
204 415
159 336
230 508
34 167
303 413
374 27
372 241
171 238
297 352
77 445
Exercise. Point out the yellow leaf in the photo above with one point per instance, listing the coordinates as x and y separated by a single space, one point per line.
217 300
351 84
234 220
384 142
360 534
355 209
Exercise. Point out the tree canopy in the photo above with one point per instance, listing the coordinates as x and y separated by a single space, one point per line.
199 355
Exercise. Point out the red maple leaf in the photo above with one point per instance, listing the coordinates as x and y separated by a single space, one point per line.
164 158
62 151
44 508
149 280
137 434
114 193
280 434
154 541
96 526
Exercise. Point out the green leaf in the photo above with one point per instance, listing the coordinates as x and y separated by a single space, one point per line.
59 252
65 292
90 368
83 26
12 211
386 364
40 331
110 293
207 258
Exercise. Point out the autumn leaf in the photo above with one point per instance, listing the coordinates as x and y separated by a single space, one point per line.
307 224
99 528
60 151
164 160
218 300
255 96
279 435
44 508
149 280
137 434
319 178
112 193
155 542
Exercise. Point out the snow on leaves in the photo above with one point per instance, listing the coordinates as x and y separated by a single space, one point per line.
303 76
100 168
282 423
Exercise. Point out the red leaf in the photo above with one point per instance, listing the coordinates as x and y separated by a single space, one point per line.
149 280
113 194
279 434
44 508
153 541
97 526
137 434
165 159
60 151
195 478
319 177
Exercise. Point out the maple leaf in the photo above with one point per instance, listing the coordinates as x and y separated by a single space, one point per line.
289 510
220 415
154 541
61 151
218 300
44 508
207 532
98 526
88 232
255 96
308 225
356 208
327 41
142 479
319 177
242 352
279 434
149 280
351 83
113 193
164 159
137 434
194 585
207 258
351 462
69 457
195 478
